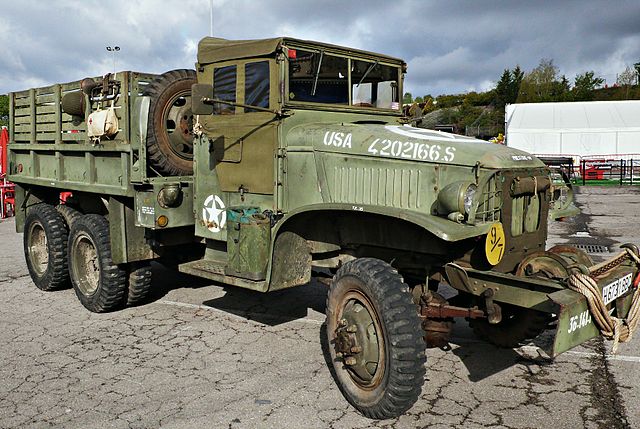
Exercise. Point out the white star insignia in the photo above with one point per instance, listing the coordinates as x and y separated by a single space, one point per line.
214 213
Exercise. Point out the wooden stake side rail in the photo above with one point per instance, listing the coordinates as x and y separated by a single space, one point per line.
51 148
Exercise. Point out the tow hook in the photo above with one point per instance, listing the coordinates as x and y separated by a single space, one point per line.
494 312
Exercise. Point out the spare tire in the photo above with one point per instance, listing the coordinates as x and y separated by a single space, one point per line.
170 127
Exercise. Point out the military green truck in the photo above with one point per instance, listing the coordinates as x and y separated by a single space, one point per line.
281 159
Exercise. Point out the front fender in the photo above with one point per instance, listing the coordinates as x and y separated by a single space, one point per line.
442 228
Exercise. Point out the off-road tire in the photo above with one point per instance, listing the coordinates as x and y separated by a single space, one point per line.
398 386
70 215
164 91
518 326
139 283
45 247
100 284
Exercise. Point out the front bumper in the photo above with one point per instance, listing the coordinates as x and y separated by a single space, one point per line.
617 281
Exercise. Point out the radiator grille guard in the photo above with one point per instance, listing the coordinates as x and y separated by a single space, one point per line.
490 201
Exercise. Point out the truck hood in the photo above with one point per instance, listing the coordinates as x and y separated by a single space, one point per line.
409 143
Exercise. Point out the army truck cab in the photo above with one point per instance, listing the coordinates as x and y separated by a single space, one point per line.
280 158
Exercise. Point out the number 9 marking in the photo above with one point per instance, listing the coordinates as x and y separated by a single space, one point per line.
494 244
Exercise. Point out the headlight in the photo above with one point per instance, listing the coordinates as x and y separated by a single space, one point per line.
456 197
468 197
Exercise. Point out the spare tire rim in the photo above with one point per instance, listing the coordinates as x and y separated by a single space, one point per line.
357 311
86 266
38 248
178 122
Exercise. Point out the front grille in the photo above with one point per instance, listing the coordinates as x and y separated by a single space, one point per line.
525 214
490 201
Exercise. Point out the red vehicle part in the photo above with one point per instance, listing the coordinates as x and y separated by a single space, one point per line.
4 141
7 190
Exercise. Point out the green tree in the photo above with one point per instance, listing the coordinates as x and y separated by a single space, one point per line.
408 98
418 100
584 86
506 91
514 85
562 90
540 84
4 110
449 100
502 89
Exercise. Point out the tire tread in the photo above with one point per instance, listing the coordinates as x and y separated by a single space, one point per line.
57 275
407 348
154 90
112 289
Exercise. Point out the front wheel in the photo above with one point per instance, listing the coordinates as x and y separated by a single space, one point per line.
375 338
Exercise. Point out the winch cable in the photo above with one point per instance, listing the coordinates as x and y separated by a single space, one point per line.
614 328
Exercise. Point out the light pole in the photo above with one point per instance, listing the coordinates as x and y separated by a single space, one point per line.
211 18
113 50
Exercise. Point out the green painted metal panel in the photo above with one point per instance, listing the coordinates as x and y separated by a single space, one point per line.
148 206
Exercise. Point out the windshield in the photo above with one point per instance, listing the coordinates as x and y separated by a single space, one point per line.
318 77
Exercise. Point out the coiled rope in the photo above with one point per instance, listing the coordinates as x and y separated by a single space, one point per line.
613 328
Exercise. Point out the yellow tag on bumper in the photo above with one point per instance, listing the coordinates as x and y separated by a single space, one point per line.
494 244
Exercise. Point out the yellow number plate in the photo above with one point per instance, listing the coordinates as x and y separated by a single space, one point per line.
494 244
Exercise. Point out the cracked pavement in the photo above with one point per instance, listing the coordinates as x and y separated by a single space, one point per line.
202 355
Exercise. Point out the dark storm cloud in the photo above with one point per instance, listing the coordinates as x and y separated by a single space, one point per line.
450 46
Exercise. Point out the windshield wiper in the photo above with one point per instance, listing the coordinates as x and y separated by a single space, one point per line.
371 67
315 78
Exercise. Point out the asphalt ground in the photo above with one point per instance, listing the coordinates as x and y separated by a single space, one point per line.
203 355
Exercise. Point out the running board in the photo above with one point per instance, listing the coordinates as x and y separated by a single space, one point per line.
214 270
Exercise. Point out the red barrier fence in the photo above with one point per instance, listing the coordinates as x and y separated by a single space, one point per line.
623 168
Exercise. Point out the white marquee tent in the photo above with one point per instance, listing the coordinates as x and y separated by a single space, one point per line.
593 129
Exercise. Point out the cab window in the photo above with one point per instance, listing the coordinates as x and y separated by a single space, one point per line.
318 77
256 85
224 88
374 85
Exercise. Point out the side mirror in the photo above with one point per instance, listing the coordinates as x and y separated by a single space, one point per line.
198 92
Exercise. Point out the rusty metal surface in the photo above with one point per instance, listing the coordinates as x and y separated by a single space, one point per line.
440 311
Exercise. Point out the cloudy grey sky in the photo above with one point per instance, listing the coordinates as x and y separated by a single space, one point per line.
450 46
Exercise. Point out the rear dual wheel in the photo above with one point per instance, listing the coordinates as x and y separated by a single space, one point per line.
375 338
45 247
100 284
63 246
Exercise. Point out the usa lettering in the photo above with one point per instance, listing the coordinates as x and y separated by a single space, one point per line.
337 139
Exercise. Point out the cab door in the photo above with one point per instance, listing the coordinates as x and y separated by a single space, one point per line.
234 161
